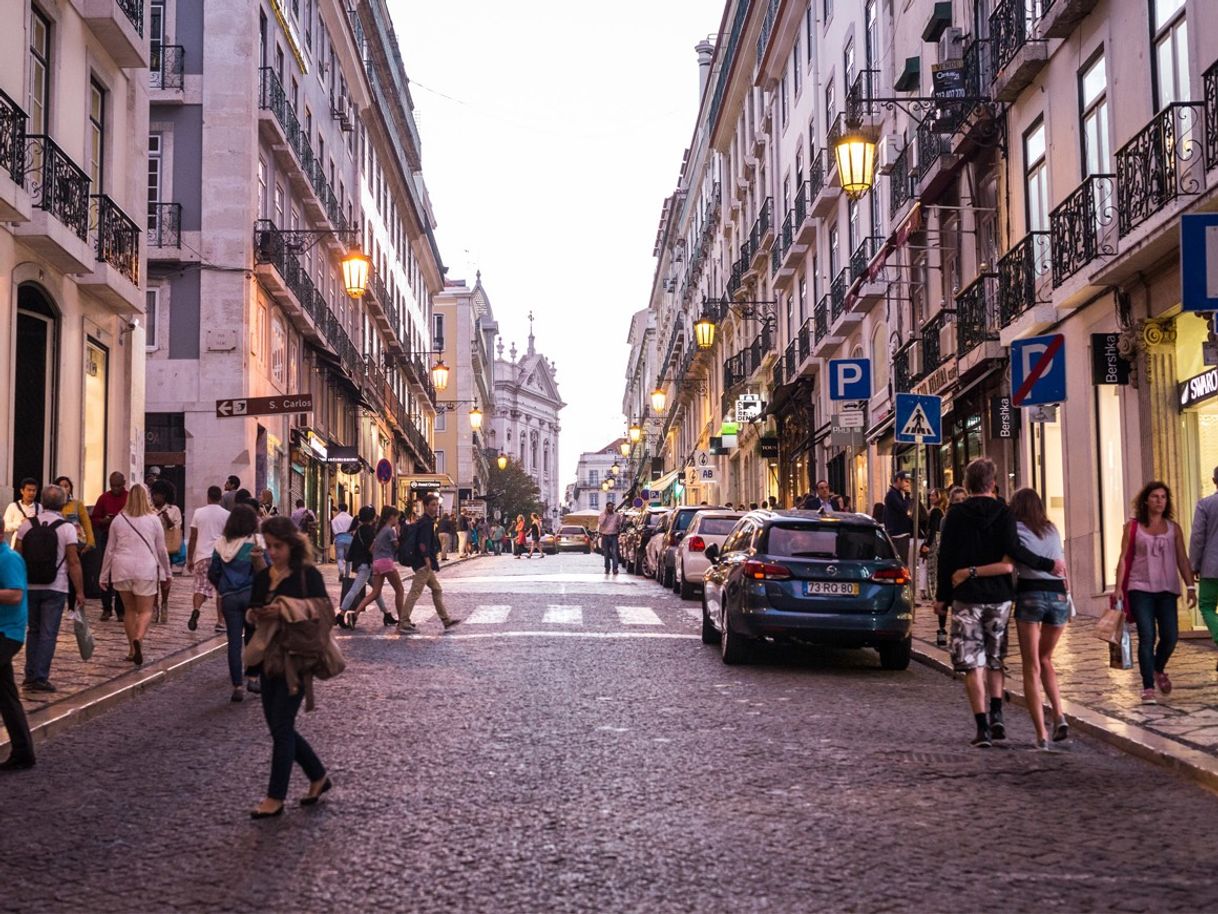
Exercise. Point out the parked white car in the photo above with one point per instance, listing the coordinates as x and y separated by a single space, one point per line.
707 528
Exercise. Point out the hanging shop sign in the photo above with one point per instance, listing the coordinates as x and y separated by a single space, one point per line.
768 448
1002 418
1107 364
749 407
1199 388
938 379
337 453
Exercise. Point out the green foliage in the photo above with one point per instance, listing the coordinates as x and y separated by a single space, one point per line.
514 491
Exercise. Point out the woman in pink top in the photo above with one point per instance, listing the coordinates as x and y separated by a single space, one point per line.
1159 561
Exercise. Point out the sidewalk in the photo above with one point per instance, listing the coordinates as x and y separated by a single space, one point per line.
1181 731
87 688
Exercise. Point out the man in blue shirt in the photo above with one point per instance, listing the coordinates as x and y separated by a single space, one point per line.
14 616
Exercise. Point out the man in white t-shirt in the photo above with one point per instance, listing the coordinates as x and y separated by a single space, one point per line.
340 528
206 527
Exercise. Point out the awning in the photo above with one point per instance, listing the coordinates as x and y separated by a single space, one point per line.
940 19
911 75
663 482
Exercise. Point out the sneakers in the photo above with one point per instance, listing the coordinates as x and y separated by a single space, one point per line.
1042 745
407 628
1163 682
1061 731
238 694
449 623
1148 697
998 729
253 685
982 740
220 628
40 685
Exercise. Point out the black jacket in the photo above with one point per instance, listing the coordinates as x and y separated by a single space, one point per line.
976 532
427 543
897 508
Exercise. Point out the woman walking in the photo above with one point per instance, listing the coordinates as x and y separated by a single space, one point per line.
135 564
359 557
290 575
519 535
1153 553
384 566
534 535
237 559
955 495
77 515
1042 609
163 494
930 546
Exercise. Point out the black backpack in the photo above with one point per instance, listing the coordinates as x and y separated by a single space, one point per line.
40 549
408 545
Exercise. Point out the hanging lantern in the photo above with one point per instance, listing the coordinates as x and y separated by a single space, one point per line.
610 482
605 486
659 399
502 460
475 418
855 153
356 268
615 469
439 375
635 433
624 447
704 332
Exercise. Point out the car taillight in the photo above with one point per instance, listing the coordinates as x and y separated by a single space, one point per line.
696 544
899 576
765 571
587 539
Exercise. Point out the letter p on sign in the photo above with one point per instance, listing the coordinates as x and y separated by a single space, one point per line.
849 379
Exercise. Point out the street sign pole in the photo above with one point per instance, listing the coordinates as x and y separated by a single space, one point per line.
913 540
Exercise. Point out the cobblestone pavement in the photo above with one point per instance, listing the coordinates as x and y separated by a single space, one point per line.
574 747
1189 716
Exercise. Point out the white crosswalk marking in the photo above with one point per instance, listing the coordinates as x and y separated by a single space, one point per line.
637 615
563 615
488 615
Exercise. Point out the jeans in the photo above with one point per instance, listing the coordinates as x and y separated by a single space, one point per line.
11 711
342 543
233 607
1149 609
46 612
287 746
609 550
363 574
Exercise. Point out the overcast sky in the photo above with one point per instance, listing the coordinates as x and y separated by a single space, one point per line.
552 132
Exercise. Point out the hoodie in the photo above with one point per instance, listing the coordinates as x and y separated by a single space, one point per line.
976 532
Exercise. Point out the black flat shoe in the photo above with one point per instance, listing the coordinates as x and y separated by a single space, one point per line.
193 622
311 799
137 656
16 764
389 620
259 814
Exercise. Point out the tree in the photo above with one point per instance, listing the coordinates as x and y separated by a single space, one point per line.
512 491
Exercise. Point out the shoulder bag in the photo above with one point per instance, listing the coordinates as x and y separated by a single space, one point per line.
151 551
1111 626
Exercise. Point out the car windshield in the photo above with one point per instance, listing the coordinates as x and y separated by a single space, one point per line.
571 531
843 542
717 526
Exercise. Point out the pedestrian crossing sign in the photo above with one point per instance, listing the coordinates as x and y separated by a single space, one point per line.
919 419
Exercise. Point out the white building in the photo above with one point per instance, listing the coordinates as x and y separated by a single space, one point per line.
73 118
595 468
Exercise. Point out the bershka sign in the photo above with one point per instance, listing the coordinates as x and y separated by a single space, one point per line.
1107 364
1002 418
1199 388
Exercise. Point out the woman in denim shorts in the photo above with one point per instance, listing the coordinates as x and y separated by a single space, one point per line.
1042 609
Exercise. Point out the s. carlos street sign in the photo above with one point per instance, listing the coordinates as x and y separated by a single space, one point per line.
263 406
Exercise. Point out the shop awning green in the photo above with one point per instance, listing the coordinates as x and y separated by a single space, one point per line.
911 75
940 19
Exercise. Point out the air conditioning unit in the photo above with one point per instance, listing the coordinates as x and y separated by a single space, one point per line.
951 45
342 113
887 150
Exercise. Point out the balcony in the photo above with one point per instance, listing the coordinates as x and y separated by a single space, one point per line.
1024 277
58 228
820 322
823 194
14 201
868 289
761 236
115 277
277 265
932 343
1016 55
119 26
1082 227
1059 18
837 295
166 71
900 183
905 367
978 321
734 281
164 228
935 160
1162 162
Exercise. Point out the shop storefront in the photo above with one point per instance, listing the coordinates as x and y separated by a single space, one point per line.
795 425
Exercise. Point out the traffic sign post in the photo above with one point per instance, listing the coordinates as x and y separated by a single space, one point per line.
1038 370
919 421
240 407
850 379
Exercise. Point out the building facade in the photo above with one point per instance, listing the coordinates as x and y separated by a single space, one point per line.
594 470
73 117
526 423
310 151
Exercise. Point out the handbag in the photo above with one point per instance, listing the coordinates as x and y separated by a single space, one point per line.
1118 600
84 636
1120 654
1111 625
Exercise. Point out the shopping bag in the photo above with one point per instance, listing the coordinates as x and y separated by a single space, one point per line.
84 637
1120 654
1111 625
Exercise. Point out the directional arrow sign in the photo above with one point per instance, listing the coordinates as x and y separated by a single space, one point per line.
264 406
919 419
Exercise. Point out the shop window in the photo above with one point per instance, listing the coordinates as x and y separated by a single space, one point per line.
1113 506
1048 472
97 371
279 339
151 300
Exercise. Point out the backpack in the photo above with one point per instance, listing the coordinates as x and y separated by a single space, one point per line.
233 576
40 549
358 553
408 545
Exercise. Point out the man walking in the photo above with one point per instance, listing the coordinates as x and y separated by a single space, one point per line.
231 486
898 514
206 528
14 616
52 561
1203 556
463 534
426 563
340 531
609 526
979 532
447 531
109 505
823 499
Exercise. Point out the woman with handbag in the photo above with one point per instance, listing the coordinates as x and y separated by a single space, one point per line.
291 576
384 567
1153 560
135 564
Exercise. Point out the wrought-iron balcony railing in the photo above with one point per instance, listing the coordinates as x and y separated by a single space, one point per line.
1020 271
164 225
57 184
932 347
900 189
778 375
167 68
931 145
836 130
117 238
837 292
1010 30
767 27
1163 161
860 94
281 249
904 372
734 280
790 359
814 185
12 138
820 318
134 10
1082 225
804 339
861 256
733 370
762 226
977 315
1210 82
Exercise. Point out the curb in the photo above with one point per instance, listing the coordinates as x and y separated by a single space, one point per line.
1193 764
89 703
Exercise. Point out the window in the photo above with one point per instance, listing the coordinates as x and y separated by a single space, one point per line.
852 226
97 402
440 464
293 363
803 300
783 112
1093 99
263 202
40 73
1171 53
795 68
594 499
97 134
442 421
809 32
151 299
594 478
848 63
439 331
828 10
833 252
1048 475
278 216
1113 505
830 101
156 39
279 345
154 183
870 38
1036 178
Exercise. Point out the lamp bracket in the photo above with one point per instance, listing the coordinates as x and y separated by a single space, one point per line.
270 241
448 406
986 132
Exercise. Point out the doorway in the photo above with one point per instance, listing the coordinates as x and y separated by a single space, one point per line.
34 393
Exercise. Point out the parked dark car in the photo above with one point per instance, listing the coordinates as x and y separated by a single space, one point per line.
677 525
829 578
635 535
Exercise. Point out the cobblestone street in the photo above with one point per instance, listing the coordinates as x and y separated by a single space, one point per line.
573 746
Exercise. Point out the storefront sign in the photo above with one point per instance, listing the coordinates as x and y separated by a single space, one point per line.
1199 388
749 407
938 379
768 448
424 485
1107 364
337 453
1002 418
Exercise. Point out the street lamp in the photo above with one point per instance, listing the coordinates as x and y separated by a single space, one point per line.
704 332
356 267
635 433
605 486
615 469
439 375
855 153
502 460
610 483
624 447
475 418
659 399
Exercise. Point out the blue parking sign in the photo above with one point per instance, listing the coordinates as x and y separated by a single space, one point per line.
849 379
1038 370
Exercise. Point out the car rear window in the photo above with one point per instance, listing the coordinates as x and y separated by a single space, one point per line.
570 531
717 526
683 519
843 542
